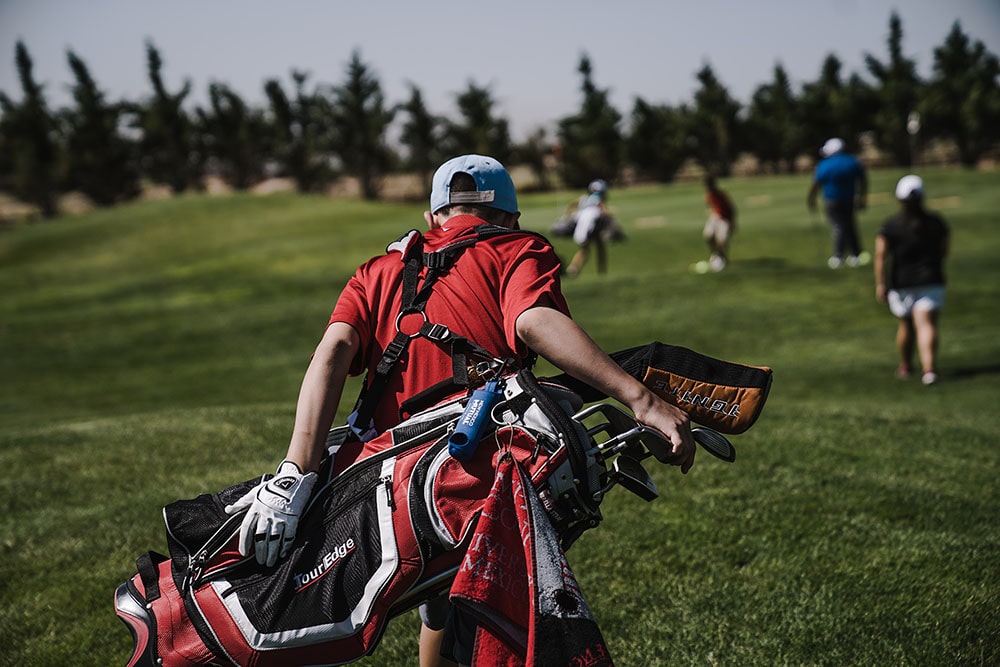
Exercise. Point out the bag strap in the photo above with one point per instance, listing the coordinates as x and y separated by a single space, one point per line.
415 295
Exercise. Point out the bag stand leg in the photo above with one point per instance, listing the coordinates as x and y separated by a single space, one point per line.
131 609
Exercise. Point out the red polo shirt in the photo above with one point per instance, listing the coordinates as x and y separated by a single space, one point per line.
480 298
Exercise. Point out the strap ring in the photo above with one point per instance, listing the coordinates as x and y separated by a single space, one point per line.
404 313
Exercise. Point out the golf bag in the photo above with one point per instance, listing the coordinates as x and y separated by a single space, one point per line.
385 530
390 521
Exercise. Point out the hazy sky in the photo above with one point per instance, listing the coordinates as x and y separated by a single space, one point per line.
525 51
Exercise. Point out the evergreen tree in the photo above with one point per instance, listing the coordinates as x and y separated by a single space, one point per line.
534 153
169 147
234 136
99 160
361 119
829 107
421 136
963 96
897 91
301 134
30 140
479 130
591 140
715 126
656 144
773 125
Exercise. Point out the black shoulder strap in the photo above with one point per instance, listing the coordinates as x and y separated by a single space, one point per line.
414 299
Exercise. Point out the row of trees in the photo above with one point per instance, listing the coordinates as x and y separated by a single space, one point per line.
317 132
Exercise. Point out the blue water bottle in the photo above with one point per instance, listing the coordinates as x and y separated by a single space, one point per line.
463 441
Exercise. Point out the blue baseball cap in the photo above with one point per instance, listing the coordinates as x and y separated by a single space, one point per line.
494 186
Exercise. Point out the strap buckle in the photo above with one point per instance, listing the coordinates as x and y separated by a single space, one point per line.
394 350
436 260
438 333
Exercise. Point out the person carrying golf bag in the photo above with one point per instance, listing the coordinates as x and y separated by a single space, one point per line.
458 481
419 329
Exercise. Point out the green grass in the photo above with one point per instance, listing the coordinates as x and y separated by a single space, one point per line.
154 352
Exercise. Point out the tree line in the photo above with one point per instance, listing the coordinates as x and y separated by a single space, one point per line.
317 132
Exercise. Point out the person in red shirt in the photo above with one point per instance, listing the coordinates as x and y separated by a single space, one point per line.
502 293
720 224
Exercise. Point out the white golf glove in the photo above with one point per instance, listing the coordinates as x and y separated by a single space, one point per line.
273 515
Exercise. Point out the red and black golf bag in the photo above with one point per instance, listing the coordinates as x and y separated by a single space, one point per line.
391 520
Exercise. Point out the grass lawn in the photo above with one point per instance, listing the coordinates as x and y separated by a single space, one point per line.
154 352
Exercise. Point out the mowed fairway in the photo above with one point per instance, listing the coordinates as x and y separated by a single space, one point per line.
154 352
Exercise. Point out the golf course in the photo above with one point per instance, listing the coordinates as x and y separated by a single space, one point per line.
153 352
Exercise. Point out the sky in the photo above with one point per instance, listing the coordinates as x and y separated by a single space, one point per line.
525 51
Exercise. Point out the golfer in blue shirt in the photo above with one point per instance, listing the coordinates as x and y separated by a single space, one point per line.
845 188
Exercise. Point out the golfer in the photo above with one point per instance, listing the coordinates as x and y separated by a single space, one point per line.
592 223
720 224
845 188
909 276
502 293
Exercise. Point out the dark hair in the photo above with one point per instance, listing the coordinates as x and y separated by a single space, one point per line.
463 182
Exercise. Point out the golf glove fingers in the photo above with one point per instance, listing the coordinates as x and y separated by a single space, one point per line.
273 509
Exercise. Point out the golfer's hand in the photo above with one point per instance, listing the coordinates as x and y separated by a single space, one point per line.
675 425
273 510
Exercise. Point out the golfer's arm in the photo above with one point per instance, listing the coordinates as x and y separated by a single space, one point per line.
880 265
811 197
319 395
563 342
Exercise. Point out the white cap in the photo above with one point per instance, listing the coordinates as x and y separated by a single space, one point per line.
909 187
831 146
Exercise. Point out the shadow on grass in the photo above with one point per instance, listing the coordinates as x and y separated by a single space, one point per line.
965 372
762 263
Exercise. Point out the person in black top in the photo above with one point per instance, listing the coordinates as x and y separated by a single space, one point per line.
909 276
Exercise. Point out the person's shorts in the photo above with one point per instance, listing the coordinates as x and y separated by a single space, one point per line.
902 302
434 612
717 230
841 213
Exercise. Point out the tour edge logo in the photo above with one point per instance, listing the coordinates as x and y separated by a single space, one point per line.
697 400
328 562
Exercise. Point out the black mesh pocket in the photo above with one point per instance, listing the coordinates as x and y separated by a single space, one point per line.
345 553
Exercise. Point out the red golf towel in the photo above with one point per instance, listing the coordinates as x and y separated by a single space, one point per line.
515 581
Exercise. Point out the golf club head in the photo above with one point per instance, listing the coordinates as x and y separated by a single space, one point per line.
624 431
630 474
715 443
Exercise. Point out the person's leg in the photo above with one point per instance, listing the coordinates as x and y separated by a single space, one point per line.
433 618
834 212
579 259
430 648
602 256
709 235
925 323
904 343
852 243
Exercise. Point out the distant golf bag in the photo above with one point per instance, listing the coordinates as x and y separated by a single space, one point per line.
387 528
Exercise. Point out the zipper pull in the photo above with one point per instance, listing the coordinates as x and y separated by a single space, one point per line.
387 481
